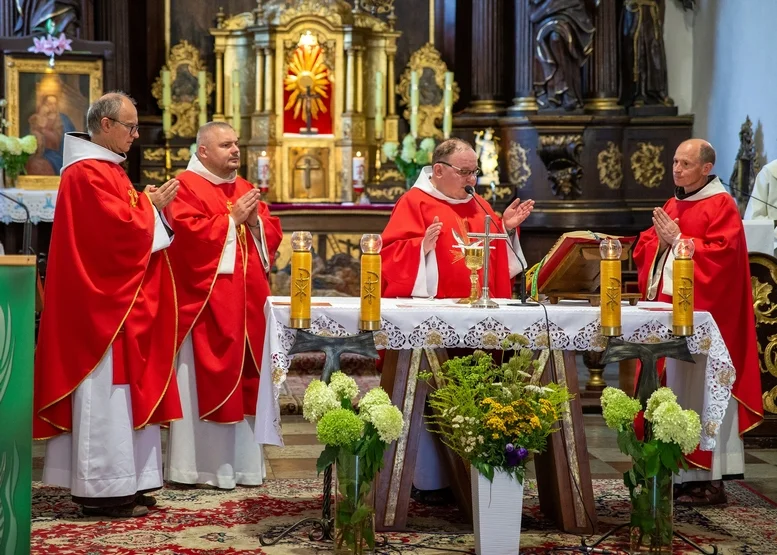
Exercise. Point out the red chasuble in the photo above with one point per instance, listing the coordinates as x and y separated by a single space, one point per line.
105 287
401 254
223 312
721 287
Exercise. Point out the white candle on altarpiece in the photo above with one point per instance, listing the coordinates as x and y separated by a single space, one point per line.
378 105
236 101
202 97
414 104
358 171
447 117
263 170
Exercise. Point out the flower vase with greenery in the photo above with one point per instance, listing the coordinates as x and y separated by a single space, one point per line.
411 157
14 153
355 437
493 414
656 441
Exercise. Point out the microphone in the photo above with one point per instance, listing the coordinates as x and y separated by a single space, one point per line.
470 190
27 233
748 195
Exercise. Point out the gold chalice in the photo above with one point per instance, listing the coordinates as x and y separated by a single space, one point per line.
473 258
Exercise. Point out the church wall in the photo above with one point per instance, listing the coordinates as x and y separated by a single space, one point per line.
733 73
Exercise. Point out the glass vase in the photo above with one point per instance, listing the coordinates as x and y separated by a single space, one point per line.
651 515
354 506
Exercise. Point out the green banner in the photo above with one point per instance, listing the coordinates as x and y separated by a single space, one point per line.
17 329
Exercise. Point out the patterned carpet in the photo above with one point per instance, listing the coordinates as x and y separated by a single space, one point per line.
199 522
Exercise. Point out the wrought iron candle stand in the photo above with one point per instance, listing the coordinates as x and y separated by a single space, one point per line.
306 342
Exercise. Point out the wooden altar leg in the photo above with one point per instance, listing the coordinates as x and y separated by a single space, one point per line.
394 482
563 471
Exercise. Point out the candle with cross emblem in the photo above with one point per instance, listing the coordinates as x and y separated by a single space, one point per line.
610 286
682 287
301 278
357 170
263 172
371 244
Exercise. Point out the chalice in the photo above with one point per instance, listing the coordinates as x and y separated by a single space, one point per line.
473 258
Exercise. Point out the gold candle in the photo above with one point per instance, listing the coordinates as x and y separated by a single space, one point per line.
370 282
682 287
610 287
301 264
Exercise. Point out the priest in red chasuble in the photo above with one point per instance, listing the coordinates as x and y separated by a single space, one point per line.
225 243
104 364
420 244
421 255
703 210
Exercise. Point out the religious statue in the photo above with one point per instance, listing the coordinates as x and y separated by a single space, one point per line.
746 166
487 152
563 36
643 57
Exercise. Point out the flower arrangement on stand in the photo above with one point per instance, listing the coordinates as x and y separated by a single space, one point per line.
14 153
495 417
411 157
356 437
50 45
656 440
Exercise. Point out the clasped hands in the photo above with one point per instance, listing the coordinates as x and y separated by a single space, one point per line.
666 228
163 195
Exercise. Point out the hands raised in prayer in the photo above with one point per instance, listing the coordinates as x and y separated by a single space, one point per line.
667 229
516 213
244 209
164 195
431 235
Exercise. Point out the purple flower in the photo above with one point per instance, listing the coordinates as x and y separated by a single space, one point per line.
514 456
61 44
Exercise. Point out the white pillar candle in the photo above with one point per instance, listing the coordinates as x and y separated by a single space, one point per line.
414 104
447 118
357 170
236 101
202 96
378 105
263 171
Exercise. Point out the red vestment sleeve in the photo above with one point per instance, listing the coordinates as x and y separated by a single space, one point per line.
401 252
101 276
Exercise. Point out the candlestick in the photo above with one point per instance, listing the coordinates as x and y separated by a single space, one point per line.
378 105
414 104
357 175
610 287
301 264
166 101
447 117
263 172
236 101
682 287
370 282
202 96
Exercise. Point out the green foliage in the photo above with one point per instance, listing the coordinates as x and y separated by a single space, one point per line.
491 414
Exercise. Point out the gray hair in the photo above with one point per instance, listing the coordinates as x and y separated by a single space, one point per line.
448 147
211 125
107 106
707 153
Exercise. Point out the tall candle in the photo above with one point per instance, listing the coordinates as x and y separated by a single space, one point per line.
202 96
301 277
166 101
610 287
682 287
357 174
236 101
447 117
370 282
378 105
414 104
263 172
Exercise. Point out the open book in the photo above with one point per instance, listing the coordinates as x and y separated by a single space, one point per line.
572 265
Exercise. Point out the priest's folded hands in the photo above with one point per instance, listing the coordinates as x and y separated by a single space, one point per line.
667 229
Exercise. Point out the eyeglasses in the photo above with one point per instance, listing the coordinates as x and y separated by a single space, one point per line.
132 128
463 173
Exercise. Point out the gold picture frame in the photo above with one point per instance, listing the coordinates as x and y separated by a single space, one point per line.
37 93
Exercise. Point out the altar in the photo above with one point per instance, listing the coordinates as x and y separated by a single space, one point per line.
416 334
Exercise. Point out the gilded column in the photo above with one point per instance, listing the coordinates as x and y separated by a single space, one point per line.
602 66
524 100
487 57
359 80
259 78
268 72
219 111
392 92
349 82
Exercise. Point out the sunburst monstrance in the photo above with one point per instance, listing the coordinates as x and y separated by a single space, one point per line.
307 79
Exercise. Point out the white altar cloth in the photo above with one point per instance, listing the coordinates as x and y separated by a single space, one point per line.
40 204
440 323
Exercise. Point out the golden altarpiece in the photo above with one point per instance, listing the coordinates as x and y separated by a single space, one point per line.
308 94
